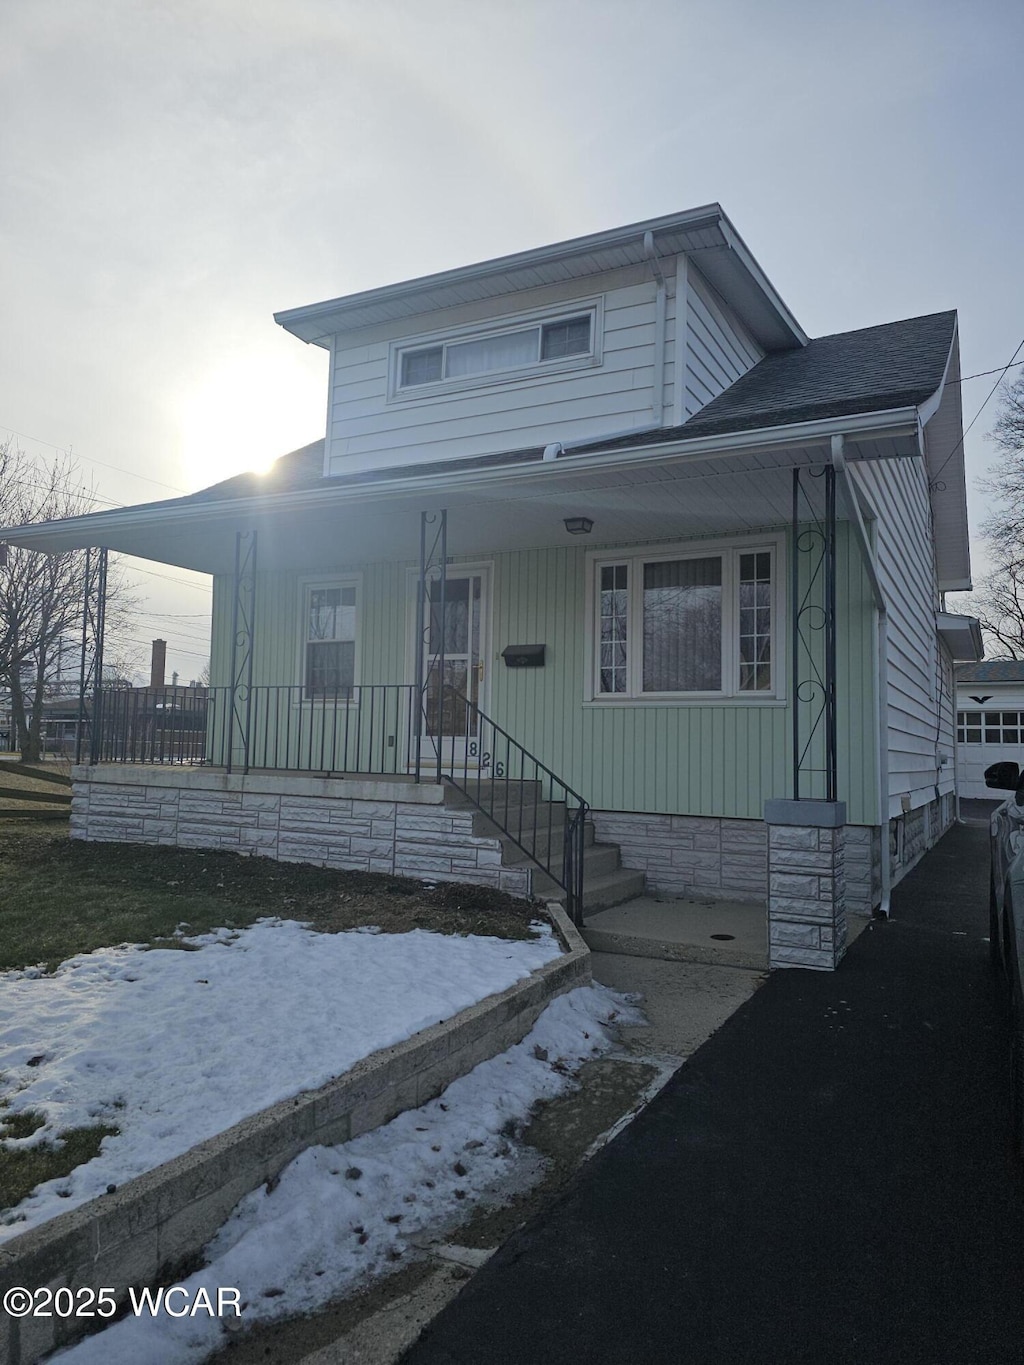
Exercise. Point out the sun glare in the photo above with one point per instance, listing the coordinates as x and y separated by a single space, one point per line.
247 411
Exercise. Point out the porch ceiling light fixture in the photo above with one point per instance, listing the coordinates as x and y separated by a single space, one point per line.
579 526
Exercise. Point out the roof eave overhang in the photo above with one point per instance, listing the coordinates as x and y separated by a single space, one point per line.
101 528
720 252
961 635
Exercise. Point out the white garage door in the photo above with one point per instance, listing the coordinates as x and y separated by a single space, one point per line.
983 738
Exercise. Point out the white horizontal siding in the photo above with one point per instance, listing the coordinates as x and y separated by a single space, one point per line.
719 348
366 431
919 704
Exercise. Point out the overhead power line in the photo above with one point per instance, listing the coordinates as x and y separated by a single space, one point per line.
90 459
1009 364
982 373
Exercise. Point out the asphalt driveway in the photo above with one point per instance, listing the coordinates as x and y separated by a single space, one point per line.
827 1179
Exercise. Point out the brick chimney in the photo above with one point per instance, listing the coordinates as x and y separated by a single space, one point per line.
158 664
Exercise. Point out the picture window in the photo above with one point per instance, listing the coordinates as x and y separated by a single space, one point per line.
686 625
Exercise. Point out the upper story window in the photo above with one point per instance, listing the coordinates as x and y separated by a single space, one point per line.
466 358
686 624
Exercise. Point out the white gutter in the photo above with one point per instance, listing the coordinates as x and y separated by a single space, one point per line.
880 652
896 422
660 314
930 406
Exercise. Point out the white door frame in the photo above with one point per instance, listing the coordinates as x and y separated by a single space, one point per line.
484 569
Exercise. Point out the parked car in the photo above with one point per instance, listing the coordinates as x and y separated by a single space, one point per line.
1006 922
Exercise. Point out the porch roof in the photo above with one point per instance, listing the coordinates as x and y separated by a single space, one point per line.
664 489
726 470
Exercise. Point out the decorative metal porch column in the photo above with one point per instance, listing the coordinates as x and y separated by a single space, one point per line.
90 677
433 568
806 838
813 638
243 622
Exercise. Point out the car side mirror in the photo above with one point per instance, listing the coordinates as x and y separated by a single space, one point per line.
1003 776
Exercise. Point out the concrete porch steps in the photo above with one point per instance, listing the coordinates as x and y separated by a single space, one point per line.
517 809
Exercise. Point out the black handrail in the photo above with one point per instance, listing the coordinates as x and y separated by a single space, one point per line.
514 789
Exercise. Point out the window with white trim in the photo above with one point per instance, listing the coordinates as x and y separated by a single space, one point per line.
554 341
329 645
700 624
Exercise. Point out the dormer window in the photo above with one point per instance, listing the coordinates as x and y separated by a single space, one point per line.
496 354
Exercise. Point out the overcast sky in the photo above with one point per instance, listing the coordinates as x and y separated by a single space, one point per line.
173 173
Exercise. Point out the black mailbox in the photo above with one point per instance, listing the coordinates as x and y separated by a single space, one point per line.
523 656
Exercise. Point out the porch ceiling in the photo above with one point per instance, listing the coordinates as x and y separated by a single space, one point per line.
518 507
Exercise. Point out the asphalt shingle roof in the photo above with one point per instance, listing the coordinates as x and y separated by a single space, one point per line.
896 365
991 671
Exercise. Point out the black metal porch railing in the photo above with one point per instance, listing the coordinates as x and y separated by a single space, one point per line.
530 803
363 730
377 730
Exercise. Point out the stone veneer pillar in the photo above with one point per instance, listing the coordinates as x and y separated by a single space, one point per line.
806 883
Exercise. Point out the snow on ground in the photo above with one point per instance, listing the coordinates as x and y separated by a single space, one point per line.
342 1214
172 1047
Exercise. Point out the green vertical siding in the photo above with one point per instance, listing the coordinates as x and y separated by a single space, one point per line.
701 758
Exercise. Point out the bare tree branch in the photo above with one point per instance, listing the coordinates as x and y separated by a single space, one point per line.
41 595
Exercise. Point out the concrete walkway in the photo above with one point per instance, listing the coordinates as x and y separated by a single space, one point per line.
718 933
827 1179
726 933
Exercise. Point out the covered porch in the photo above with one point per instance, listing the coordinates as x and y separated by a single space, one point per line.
463 571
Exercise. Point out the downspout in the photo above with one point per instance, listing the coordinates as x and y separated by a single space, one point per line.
660 315
556 448
881 660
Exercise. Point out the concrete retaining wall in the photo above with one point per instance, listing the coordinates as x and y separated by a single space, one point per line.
375 825
141 1232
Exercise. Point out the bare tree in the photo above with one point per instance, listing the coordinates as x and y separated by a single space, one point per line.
998 599
998 603
40 594
1005 481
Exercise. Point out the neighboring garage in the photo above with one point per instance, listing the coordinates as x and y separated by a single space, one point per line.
989 722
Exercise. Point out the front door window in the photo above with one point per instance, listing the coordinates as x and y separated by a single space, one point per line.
460 629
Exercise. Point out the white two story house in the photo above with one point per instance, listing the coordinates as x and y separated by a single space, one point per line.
604 578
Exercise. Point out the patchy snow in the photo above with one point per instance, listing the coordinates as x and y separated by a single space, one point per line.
341 1214
172 1047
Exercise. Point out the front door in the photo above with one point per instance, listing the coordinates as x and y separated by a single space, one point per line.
451 720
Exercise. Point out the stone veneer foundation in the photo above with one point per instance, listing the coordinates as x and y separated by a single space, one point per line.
690 856
711 858
367 825
806 883
398 827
